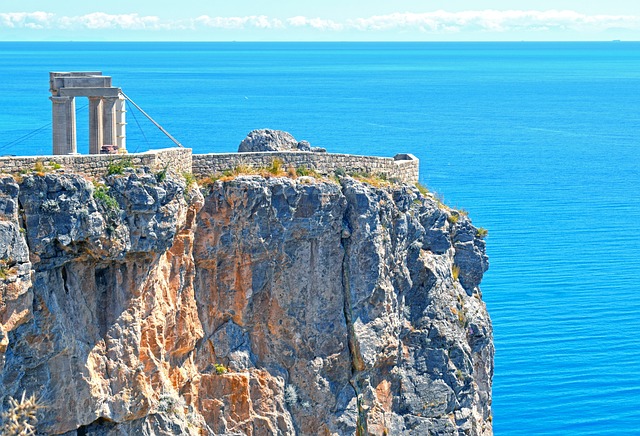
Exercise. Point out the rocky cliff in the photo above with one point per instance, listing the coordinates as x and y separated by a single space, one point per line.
267 306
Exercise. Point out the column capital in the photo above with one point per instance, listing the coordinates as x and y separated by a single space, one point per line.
60 100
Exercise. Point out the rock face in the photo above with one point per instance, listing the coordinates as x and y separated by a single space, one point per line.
274 140
270 306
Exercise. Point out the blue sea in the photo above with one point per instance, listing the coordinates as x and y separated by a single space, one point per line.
540 142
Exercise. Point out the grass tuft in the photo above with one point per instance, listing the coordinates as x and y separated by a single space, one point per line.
189 178
276 167
455 272
422 189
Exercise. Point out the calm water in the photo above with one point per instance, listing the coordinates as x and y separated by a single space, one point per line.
539 142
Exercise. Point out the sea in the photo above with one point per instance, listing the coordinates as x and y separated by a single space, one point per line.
539 142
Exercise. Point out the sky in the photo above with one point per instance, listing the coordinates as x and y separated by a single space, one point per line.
320 20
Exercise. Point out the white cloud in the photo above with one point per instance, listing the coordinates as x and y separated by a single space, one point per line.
100 20
314 23
31 20
257 21
437 22
493 21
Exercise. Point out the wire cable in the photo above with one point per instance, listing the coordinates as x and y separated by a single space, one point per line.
139 127
32 133
175 141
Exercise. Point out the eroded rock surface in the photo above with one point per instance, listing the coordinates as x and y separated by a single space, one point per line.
274 140
270 306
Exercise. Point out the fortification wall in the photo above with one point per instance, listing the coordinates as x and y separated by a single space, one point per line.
404 167
95 165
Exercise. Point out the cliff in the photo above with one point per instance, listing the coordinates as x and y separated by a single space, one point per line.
267 306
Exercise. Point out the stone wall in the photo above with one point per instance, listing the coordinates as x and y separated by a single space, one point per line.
95 165
403 166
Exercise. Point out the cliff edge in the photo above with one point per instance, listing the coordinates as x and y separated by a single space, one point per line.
138 305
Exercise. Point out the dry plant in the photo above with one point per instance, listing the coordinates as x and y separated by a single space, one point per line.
20 418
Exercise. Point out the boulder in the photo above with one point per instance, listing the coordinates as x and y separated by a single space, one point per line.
274 140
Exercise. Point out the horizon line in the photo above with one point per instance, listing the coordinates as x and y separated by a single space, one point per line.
325 41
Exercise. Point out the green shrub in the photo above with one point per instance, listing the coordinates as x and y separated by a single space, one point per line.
189 178
302 171
481 232
276 167
340 172
453 218
161 175
4 273
220 369
118 166
101 193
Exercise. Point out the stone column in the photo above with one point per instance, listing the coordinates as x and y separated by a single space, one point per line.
121 125
95 125
110 136
64 125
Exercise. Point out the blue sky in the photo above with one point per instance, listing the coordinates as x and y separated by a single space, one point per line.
320 20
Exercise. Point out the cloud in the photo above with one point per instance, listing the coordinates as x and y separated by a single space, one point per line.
29 20
437 22
100 20
493 21
314 23
257 21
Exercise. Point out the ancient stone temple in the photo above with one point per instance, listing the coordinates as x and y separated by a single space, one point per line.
106 112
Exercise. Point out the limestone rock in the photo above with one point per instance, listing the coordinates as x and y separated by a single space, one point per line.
270 306
16 295
274 140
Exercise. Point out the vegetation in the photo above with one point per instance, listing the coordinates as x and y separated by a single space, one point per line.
276 167
20 418
462 319
118 166
50 205
189 178
453 218
161 175
101 193
39 168
4 269
481 232
422 189
291 395
171 403
308 172
376 180
340 172
455 272
220 369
